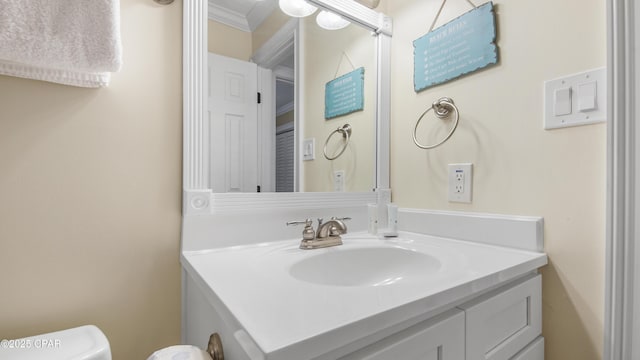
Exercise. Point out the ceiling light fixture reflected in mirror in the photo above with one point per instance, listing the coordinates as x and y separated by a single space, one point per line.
330 21
297 8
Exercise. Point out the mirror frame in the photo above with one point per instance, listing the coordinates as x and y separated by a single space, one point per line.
197 198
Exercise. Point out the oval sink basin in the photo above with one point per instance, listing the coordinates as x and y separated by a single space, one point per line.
372 266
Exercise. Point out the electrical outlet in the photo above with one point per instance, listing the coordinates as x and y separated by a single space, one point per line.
460 182
338 180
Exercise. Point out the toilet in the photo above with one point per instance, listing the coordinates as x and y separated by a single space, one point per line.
83 343
80 343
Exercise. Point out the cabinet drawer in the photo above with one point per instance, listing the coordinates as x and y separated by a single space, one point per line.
501 324
440 338
535 351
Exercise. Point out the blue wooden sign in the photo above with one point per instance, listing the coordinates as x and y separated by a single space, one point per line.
344 95
459 47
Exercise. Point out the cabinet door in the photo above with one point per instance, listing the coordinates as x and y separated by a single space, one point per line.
440 338
501 324
534 351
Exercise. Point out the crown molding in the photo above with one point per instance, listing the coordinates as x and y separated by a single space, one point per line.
280 45
260 12
284 73
249 22
228 17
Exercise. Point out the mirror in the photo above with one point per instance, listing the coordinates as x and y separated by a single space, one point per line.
291 117
198 197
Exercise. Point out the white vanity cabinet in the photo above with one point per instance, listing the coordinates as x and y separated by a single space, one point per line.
439 338
504 324
499 325
479 303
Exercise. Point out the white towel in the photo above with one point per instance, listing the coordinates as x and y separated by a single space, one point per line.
72 42
180 352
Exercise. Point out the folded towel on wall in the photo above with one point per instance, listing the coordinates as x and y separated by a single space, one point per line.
72 42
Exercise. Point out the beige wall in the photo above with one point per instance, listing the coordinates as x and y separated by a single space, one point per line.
268 28
519 168
322 57
90 195
228 41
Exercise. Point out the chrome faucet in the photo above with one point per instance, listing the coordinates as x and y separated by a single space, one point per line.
333 227
328 233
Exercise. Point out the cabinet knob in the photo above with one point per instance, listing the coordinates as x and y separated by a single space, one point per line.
214 349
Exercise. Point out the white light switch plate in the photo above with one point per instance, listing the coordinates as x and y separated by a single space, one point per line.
309 149
587 102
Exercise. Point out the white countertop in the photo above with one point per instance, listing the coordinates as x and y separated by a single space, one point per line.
288 318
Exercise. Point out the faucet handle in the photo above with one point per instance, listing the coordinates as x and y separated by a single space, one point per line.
334 231
308 233
307 222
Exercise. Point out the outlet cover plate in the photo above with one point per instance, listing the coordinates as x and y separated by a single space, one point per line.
460 182
338 180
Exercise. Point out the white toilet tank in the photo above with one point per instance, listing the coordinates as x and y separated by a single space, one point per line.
81 343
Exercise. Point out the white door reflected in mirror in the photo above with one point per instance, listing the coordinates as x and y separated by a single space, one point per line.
233 123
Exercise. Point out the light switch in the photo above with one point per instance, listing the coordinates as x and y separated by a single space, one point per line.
577 99
308 149
587 96
562 101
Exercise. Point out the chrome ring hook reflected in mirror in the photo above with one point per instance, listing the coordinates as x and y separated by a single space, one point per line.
442 108
345 130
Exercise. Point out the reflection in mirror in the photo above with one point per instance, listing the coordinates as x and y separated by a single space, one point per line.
259 147
328 55
285 135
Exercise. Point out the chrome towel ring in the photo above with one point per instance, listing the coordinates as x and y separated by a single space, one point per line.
442 108
345 130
